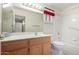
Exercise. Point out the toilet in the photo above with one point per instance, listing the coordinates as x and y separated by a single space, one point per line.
57 45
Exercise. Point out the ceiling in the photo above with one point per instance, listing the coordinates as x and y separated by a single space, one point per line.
60 6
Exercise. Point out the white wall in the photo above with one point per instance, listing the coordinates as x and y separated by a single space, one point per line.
70 27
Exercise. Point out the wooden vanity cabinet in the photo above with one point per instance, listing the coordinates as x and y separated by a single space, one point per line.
18 47
31 46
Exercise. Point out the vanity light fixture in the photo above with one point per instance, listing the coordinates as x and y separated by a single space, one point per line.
31 9
29 6
34 5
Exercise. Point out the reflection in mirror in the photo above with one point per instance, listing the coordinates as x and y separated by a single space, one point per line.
17 19
11 22
7 19
19 23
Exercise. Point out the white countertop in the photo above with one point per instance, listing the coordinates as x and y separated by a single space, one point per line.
20 37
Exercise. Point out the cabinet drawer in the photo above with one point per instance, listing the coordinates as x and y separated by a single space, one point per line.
13 45
46 39
34 41
39 40
23 51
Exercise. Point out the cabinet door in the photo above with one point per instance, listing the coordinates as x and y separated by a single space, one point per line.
46 48
17 52
13 45
36 50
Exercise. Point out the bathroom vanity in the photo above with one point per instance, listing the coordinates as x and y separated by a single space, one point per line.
20 21
35 45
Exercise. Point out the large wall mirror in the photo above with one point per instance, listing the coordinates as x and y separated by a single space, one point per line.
15 19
